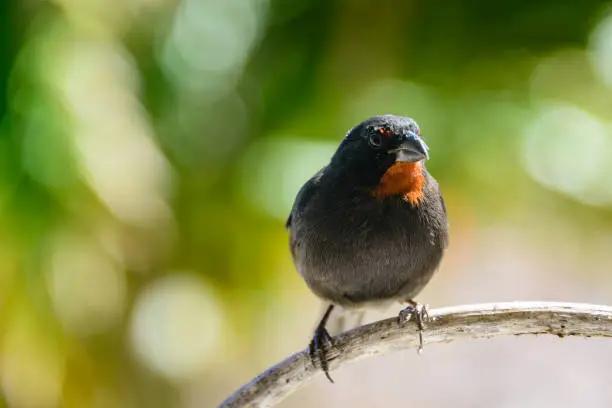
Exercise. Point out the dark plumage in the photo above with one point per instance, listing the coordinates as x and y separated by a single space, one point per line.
370 228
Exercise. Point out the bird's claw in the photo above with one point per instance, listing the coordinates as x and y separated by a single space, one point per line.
319 348
421 315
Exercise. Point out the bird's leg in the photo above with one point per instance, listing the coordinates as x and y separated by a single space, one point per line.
320 344
421 315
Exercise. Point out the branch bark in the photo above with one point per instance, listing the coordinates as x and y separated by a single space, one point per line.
446 324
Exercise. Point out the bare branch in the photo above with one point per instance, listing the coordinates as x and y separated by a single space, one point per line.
446 324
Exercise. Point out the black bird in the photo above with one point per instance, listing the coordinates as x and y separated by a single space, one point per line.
370 228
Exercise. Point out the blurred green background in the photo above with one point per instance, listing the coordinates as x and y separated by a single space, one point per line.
150 151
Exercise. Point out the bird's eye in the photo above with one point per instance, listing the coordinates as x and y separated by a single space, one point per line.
375 139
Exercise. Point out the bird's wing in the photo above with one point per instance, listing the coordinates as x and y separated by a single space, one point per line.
443 205
303 197
442 202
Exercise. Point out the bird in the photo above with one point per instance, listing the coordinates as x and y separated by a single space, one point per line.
369 229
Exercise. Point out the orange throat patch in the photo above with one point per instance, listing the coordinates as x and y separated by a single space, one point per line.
403 178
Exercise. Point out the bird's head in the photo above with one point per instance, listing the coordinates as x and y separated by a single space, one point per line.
385 154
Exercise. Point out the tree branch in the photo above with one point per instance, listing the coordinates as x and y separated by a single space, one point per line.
446 324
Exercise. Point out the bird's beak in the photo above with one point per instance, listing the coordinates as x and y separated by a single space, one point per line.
412 149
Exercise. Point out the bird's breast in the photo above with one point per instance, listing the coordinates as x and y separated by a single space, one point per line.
404 179
371 252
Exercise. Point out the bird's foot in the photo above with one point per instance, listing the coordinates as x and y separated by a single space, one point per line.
319 348
421 315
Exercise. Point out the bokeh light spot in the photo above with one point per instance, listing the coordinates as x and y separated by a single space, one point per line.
276 168
569 150
177 326
113 140
210 41
87 288
600 49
